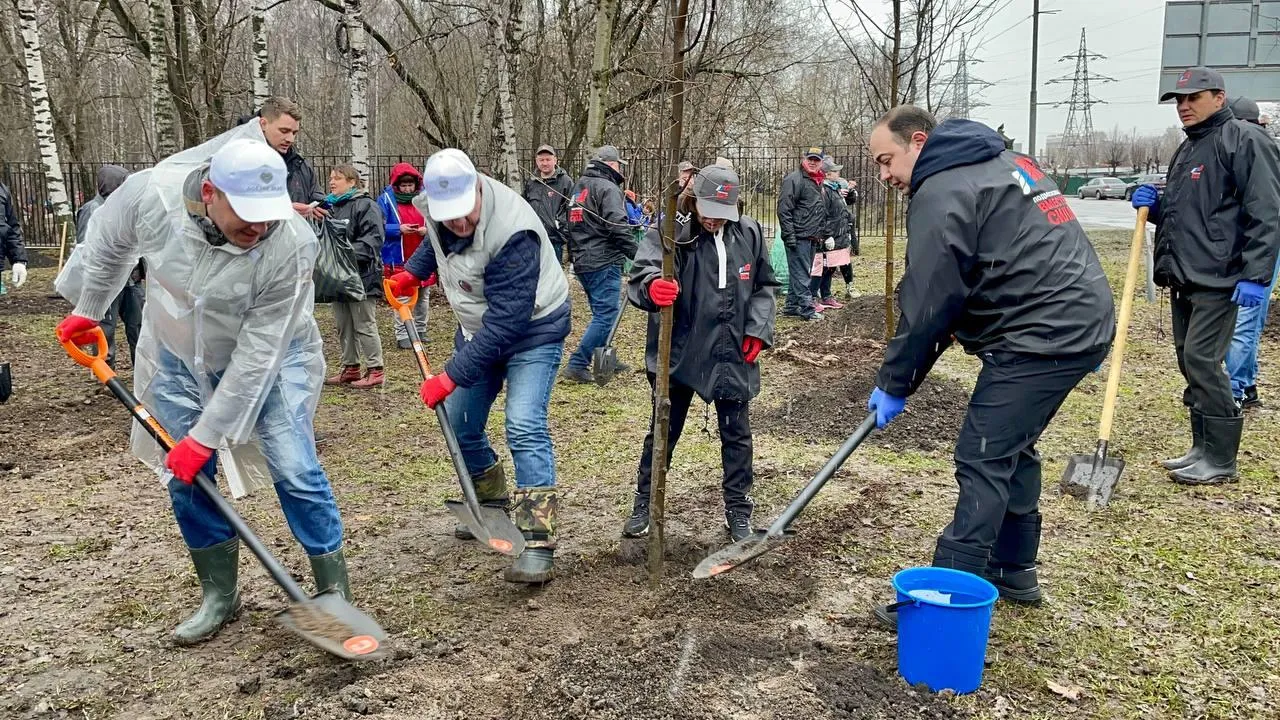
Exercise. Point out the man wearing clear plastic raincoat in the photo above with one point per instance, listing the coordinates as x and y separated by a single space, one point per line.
230 356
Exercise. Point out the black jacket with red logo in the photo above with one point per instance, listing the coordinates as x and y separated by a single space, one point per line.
1218 221
599 235
995 257
726 293
550 199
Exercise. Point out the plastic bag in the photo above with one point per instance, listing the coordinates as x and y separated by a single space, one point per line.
336 277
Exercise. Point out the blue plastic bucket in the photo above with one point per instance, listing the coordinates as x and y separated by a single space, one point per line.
942 633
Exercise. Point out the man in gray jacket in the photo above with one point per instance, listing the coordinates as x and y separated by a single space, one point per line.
127 307
600 241
1217 234
802 215
996 260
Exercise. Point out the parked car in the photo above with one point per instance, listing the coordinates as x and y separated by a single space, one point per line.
1156 179
1103 188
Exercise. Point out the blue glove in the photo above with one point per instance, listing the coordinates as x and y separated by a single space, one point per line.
1146 196
887 407
1249 294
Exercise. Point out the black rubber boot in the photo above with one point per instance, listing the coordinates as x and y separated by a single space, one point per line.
330 571
216 566
491 490
1013 559
1197 446
947 554
1251 399
535 515
1218 463
637 525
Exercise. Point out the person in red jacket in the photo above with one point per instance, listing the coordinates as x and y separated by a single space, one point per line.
403 232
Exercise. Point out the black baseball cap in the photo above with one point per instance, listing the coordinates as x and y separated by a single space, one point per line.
1194 80
1245 109
814 152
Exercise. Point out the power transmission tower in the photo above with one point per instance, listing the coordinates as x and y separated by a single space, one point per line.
963 81
1077 136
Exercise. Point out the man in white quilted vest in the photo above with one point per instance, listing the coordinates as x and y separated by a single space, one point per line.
500 274
230 358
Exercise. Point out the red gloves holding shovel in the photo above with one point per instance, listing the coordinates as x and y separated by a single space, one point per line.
405 282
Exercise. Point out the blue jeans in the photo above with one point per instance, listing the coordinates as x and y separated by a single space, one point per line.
286 436
1242 358
603 288
529 376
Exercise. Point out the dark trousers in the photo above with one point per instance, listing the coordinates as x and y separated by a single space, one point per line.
558 247
821 286
847 272
997 518
1203 324
734 419
799 263
126 308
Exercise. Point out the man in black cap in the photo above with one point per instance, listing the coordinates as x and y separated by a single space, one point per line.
548 191
1217 235
802 214
600 242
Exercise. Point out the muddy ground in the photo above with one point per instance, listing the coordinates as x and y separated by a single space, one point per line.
93 573
94 576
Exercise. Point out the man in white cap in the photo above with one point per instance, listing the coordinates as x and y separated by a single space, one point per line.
497 268
230 353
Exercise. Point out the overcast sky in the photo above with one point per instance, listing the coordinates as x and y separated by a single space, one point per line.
1128 32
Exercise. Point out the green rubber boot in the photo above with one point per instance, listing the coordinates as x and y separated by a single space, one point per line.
491 490
535 515
216 566
330 571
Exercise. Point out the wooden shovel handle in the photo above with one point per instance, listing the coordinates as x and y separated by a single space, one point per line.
1122 325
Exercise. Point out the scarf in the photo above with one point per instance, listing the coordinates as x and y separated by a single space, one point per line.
332 199
404 198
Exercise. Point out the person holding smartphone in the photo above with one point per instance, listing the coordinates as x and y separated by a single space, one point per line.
404 229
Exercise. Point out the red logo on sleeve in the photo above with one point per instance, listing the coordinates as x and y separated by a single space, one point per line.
744 272
575 211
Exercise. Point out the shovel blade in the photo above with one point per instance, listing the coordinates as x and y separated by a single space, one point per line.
492 528
739 553
1080 481
604 364
332 624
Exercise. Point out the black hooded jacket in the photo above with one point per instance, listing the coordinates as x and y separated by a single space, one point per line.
599 235
550 200
1218 221
359 219
11 245
995 257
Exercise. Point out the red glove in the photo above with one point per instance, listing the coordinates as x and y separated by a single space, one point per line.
404 282
751 347
76 328
187 458
663 292
436 388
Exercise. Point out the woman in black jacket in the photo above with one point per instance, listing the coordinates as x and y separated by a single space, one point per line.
724 307
355 215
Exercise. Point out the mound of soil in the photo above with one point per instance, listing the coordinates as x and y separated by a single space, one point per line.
29 304
1272 330
862 692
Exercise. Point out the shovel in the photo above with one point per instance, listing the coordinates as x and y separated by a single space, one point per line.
490 525
762 541
604 359
1095 476
327 620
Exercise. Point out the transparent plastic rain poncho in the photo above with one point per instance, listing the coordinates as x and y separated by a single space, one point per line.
225 312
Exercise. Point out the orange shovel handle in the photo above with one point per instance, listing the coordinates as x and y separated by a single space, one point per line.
97 361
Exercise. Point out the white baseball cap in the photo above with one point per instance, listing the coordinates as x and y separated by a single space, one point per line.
449 180
253 177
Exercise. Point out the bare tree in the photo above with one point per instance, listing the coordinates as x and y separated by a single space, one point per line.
42 117
1113 149
601 70
358 85
164 130
260 73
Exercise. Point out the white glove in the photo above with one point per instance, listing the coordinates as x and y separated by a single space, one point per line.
830 244
19 274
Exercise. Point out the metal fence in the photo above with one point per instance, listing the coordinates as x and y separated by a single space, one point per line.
760 168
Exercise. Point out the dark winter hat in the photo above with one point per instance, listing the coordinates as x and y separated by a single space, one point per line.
1194 80
716 190
546 149
1245 109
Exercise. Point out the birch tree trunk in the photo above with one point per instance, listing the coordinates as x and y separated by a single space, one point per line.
506 35
483 82
358 81
164 127
259 66
42 116
606 16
